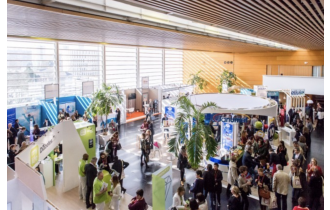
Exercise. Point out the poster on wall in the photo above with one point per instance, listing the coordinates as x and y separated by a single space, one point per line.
87 136
227 135
11 116
27 114
162 188
145 82
70 108
61 107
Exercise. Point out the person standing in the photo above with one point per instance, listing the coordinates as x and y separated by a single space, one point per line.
119 166
248 161
21 136
17 125
145 150
274 159
151 128
234 202
82 178
281 181
182 163
118 118
115 192
298 183
315 189
232 175
244 186
11 134
36 132
94 121
100 189
218 184
209 184
91 173
198 184
47 123
263 182
12 153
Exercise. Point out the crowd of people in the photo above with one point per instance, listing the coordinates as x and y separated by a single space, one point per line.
261 167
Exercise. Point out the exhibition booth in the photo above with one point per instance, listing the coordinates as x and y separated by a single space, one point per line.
75 138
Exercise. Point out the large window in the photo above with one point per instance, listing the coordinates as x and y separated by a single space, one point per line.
151 64
173 66
30 65
78 63
121 66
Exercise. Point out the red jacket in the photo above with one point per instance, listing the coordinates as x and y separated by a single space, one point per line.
137 205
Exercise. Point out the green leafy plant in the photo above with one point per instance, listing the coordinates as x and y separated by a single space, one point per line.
103 99
190 128
195 79
228 77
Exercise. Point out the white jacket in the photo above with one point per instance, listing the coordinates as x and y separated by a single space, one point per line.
232 173
116 196
177 201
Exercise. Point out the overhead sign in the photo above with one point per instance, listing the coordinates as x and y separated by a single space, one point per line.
87 87
275 95
297 92
145 82
51 91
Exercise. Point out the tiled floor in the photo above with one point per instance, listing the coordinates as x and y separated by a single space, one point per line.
138 177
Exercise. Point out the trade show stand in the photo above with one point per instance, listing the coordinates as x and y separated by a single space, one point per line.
288 134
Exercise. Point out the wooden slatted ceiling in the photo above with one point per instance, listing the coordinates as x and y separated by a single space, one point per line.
64 25
295 22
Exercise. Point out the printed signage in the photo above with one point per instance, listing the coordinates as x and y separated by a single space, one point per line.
145 82
34 155
227 135
297 92
275 95
261 91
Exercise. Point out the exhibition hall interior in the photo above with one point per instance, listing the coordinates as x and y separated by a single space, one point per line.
165 104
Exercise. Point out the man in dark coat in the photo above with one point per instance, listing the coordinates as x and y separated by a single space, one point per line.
198 184
218 183
119 166
209 184
118 118
91 173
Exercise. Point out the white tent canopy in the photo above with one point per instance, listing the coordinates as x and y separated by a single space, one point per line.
236 103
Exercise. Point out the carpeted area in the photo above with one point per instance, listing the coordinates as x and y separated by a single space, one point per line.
130 117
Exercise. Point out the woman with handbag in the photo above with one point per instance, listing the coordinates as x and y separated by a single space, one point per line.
232 174
149 136
115 193
298 183
263 186
103 162
244 186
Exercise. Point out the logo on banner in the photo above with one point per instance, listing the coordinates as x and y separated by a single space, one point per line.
44 146
34 155
298 92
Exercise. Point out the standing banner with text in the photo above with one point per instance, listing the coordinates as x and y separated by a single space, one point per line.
261 91
162 195
87 136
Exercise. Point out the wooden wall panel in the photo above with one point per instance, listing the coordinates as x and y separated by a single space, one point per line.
249 67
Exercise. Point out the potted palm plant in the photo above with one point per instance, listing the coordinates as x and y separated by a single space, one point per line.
103 99
227 77
197 81
190 128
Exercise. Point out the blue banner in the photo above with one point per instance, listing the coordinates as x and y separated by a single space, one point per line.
28 113
227 135
275 95
11 116
170 112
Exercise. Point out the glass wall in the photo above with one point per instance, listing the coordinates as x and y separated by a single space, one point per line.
32 63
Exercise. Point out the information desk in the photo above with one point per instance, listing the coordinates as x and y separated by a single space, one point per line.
288 134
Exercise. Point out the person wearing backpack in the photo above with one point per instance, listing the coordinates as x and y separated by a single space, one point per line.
145 150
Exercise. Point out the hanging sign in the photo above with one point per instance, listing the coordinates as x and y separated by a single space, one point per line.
275 95
261 91
297 92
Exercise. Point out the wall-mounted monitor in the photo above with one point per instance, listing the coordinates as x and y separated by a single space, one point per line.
131 96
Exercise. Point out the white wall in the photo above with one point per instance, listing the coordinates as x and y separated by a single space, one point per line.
13 195
312 85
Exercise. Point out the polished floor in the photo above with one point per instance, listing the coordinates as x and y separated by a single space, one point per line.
138 177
